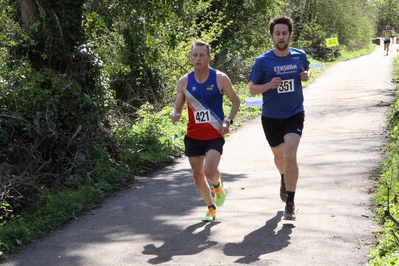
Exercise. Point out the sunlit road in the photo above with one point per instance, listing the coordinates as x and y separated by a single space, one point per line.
159 222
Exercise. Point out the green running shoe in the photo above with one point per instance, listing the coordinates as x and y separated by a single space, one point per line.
220 194
210 215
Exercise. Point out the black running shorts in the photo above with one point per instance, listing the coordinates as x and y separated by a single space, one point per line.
196 147
276 129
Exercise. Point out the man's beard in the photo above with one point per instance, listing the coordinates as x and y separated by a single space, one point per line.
281 48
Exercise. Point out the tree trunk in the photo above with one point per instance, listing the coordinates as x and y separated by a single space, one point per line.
58 33
29 12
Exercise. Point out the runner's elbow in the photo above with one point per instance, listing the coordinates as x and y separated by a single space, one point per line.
252 90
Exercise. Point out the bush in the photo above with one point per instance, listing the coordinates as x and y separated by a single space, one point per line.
323 53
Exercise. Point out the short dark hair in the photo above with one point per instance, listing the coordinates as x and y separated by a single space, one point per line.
281 20
202 43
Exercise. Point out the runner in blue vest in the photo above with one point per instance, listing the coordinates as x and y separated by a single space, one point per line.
278 75
203 89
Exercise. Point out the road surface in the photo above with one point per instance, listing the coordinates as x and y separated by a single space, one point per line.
159 221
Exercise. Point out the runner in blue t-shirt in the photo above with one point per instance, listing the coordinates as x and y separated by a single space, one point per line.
278 75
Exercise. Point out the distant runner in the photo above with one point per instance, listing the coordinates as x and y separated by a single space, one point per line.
386 37
393 35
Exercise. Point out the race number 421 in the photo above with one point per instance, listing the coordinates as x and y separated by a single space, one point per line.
202 116
286 86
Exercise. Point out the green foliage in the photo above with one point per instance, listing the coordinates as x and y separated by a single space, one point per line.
241 30
387 14
55 28
156 39
44 109
50 135
350 54
354 27
152 141
316 20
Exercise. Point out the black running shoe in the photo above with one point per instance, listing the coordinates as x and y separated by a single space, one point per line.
289 213
283 192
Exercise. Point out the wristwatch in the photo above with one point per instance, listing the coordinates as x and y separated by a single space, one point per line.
229 120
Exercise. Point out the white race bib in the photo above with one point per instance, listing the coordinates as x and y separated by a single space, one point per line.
202 116
286 86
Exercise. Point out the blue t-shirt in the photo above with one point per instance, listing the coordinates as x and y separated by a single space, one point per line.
286 100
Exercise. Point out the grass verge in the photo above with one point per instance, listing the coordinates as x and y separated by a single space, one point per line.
387 196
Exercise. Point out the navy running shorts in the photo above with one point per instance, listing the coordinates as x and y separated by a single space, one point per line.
196 147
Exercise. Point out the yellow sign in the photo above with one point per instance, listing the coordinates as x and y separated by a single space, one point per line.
332 42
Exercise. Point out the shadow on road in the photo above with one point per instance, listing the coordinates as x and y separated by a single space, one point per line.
184 243
261 241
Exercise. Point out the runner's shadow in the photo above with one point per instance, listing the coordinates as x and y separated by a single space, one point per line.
261 241
184 243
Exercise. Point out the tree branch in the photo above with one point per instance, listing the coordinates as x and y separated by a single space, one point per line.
24 120
387 12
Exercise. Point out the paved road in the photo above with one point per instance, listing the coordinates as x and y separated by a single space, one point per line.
159 222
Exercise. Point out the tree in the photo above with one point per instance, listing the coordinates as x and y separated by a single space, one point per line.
245 34
317 20
51 102
55 27
388 14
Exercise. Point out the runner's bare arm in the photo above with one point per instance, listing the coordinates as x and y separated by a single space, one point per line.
226 87
256 89
180 99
